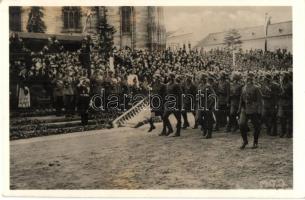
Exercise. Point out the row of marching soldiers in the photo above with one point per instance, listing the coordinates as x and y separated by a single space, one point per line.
262 98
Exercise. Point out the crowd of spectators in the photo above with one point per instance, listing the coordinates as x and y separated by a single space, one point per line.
54 63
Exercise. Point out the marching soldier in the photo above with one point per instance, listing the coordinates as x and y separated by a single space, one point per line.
157 101
235 92
223 94
250 108
173 105
189 91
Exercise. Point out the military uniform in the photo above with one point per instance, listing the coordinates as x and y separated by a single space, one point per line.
84 98
223 94
69 95
250 108
173 107
285 107
189 90
206 116
235 92
58 95
269 93
158 93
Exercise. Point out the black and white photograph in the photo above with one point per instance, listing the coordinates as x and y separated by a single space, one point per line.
151 97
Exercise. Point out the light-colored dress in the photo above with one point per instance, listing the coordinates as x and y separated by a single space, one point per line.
24 97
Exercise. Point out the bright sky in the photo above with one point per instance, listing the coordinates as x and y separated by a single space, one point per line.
204 20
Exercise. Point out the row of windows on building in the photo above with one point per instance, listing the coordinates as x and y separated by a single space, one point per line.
72 18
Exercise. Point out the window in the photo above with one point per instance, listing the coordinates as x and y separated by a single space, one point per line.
126 19
71 17
15 18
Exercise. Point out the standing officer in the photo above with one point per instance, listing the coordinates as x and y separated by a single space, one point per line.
83 88
268 90
235 92
285 106
173 104
250 108
68 93
206 117
223 94
59 93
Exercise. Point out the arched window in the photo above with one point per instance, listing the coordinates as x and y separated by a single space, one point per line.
126 19
71 17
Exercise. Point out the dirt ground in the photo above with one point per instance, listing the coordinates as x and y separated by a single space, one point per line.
128 158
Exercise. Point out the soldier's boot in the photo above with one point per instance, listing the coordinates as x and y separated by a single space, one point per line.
209 135
243 131
185 125
177 134
152 126
204 132
170 130
255 145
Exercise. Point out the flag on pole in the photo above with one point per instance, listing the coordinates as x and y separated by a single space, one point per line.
267 23
88 19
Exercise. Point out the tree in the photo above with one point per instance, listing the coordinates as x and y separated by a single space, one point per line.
232 39
105 32
35 23
233 42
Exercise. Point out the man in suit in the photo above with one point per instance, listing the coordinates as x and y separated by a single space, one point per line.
250 106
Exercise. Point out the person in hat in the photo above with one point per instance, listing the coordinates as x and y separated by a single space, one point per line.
285 106
83 88
206 113
58 93
172 105
235 92
189 99
250 106
223 94
157 95
68 92
269 91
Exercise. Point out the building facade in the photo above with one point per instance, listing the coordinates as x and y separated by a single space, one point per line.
136 27
177 39
279 36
